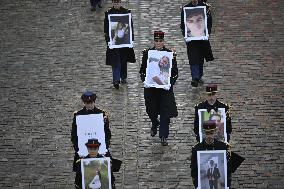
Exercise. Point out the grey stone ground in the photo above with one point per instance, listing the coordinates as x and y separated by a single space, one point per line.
53 50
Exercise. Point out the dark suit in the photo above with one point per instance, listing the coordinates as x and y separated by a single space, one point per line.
213 174
159 101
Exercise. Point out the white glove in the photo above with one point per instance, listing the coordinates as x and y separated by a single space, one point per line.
167 87
109 45
146 86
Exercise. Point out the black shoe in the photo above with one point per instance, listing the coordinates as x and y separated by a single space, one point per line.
93 9
200 81
123 81
116 85
164 141
194 83
153 131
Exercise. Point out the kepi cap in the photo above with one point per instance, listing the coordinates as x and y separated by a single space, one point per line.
211 88
158 35
209 126
88 96
93 143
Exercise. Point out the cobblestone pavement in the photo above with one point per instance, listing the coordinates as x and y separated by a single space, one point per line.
51 51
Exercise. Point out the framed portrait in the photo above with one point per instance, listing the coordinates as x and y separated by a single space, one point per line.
96 173
195 21
120 30
219 117
88 127
158 71
212 169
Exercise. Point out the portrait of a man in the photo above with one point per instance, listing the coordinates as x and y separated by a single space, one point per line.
158 70
212 169
195 21
213 174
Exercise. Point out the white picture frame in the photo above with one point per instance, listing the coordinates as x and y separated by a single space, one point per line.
96 173
195 19
158 71
120 31
212 173
219 117
88 127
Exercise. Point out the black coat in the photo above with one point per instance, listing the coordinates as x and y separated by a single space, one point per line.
125 54
197 50
215 106
159 101
203 146
233 160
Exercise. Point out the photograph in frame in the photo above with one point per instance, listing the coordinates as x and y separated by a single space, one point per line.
120 31
96 173
88 127
195 21
158 71
220 120
212 169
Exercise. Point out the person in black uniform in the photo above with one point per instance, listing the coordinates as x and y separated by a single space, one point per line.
160 101
118 57
198 50
89 99
212 103
210 143
93 146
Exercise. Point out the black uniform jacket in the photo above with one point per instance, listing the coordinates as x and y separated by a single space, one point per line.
84 111
125 54
233 160
159 101
197 50
203 146
208 107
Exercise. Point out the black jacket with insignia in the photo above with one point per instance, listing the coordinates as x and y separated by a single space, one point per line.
203 146
157 100
208 107
233 159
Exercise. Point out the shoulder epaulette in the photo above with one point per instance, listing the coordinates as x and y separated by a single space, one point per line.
75 112
199 103
195 145
144 51
229 147
207 4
